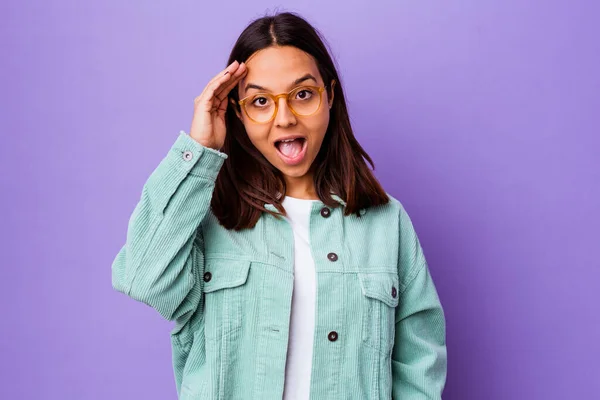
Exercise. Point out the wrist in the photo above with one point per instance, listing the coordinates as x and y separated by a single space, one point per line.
207 143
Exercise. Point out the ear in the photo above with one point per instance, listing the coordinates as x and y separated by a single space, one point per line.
235 108
331 94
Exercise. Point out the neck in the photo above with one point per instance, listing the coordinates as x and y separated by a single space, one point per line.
301 187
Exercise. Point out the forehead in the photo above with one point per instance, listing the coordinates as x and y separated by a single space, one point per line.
277 67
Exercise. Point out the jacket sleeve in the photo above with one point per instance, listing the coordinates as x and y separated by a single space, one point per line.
161 262
419 356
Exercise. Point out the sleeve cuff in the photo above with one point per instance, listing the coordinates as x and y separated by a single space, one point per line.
197 159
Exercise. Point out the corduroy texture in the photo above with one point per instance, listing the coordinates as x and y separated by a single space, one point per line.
379 327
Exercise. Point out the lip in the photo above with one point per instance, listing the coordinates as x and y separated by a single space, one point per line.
288 137
293 160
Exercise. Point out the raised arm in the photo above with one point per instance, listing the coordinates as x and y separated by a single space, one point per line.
162 258
162 261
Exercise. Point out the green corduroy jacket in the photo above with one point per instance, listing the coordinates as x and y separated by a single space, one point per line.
380 329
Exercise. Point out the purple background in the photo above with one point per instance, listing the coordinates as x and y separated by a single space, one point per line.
482 118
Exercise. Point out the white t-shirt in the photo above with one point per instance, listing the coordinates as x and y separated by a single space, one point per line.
302 321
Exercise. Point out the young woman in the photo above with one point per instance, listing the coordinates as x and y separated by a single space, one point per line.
288 270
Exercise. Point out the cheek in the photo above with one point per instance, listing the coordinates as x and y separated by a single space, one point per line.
319 123
258 135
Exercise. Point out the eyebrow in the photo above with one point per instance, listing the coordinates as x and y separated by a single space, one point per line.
296 82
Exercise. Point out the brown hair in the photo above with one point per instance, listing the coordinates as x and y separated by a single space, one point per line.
248 180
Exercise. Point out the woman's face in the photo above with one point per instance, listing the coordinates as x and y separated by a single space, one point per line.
276 70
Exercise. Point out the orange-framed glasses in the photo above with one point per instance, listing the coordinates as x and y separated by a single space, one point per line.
303 101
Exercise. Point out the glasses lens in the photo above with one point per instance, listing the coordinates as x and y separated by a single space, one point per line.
305 100
260 108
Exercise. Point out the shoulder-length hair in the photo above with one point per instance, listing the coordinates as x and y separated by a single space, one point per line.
247 182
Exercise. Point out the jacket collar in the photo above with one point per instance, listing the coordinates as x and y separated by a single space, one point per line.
337 198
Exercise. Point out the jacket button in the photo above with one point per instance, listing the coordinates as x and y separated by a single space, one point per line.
207 276
187 155
332 257
394 292
332 336
325 212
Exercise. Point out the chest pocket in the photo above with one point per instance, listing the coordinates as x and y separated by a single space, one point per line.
224 293
380 291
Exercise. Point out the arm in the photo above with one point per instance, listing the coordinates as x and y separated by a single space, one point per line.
162 259
419 357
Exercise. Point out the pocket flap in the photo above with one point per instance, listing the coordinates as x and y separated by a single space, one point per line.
381 286
225 273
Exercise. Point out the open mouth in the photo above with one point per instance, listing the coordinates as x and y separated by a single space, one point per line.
291 151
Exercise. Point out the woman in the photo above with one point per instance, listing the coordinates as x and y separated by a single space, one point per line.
289 271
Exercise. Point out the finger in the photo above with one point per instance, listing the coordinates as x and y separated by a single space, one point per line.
222 108
231 68
228 82
209 95
223 92
219 78
208 92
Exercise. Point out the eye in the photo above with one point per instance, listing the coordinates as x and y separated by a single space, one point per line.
260 101
304 94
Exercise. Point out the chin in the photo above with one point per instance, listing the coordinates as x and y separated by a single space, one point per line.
294 171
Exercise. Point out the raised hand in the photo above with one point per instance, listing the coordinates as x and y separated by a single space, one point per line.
208 124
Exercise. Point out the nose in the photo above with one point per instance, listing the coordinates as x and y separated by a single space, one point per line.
285 117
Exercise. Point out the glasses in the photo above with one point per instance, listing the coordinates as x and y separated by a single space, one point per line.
303 101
